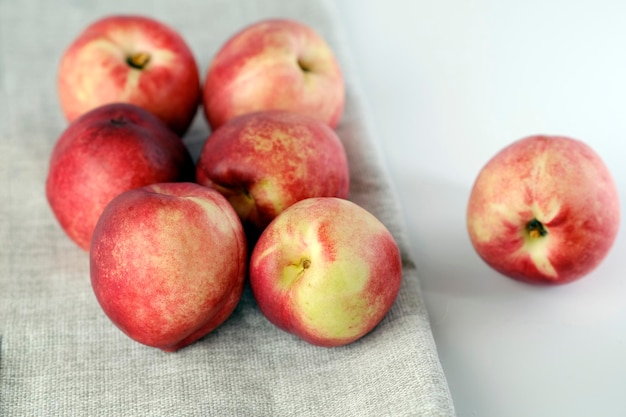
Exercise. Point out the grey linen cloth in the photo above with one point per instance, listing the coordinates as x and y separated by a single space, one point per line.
59 353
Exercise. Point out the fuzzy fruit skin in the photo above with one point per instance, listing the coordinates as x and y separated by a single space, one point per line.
274 64
94 70
264 162
326 270
109 150
168 263
562 183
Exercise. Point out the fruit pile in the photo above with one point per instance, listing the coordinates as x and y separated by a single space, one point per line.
172 241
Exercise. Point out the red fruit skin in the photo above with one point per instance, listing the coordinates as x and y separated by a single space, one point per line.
353 278
562 183
94 70
266 161
274 64
112 149
168 263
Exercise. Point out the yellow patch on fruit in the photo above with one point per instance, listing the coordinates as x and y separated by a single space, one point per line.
242 201
329 299
548 211
543 264
265 193
535 246
87 87
298 253
213 211
161 57
292 272
540 167
98 46
132 81
485 227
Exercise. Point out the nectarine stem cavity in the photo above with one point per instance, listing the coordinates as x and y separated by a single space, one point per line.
138 60
303 66
535 229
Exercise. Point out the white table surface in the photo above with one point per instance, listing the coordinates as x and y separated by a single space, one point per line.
448 84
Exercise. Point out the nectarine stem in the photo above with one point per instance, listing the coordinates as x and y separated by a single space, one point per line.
138 60
303 66
306 264
535 229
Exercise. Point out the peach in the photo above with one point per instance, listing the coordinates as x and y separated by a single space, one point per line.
544 210
109 150
326 270
132 59
168 263
264 162
274 64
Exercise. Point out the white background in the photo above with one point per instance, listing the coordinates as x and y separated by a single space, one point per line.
448 84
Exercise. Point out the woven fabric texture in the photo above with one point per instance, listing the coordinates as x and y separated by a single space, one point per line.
59 353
